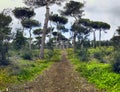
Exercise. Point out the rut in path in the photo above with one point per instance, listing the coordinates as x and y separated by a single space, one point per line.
61 77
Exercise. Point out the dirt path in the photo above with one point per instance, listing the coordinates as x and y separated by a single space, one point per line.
61 77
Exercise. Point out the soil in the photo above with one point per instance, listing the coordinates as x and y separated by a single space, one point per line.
60 77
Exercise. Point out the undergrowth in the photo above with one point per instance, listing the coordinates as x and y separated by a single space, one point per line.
21 70
98 73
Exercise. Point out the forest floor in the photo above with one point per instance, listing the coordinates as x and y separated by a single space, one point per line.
60 77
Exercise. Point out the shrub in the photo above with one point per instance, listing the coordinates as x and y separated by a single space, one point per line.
35 53
4 62
99 56
49 54
27 55
116 67
83 55
116 64
99 74
56 56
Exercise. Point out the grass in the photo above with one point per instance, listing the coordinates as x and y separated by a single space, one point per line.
32 70
104 54
21 71
100 74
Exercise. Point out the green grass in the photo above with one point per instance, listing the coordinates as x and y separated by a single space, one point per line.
21 70
100 74
5 78
32 69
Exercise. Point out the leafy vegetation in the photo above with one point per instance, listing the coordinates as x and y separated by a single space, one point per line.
98 61
22 70
98 73
116 44
5 31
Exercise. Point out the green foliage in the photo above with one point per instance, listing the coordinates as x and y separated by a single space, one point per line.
53 55
56 57
19 40
5 78
21 71
35 53
37 31
23 12
49 54
50 44
4 20
83 54
27 55
58 19
39 3
116 44
101 54
118 30
5 32
73 8
29 23
32 70
70 53
97 73
116 62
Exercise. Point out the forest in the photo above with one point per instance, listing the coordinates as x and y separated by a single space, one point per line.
53 57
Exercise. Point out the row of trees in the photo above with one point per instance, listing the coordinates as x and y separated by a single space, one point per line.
5 31
80 29
116 43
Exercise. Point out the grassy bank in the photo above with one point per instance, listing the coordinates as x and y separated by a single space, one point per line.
21 70
100 74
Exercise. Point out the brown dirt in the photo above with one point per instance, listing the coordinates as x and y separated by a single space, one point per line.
61 77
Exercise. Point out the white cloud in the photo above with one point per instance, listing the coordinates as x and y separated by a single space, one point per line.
10 4
106 11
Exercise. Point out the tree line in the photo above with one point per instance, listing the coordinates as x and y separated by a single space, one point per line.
79 30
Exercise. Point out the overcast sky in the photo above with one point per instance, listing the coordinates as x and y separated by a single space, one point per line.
97 10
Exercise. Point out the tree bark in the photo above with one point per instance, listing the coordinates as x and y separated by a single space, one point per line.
74 41
44 33
30 39
74 37
94 39
100 38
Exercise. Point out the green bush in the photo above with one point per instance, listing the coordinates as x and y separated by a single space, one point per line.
116 67
99 56
49 54
52 55
100 74
116 63
56 56
4 62
32 70
27 55
35 53
83 54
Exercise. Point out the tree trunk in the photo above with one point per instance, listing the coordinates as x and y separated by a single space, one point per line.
3 60
56 42
100 38
44 33
30 39
94 39
74 37
74 41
